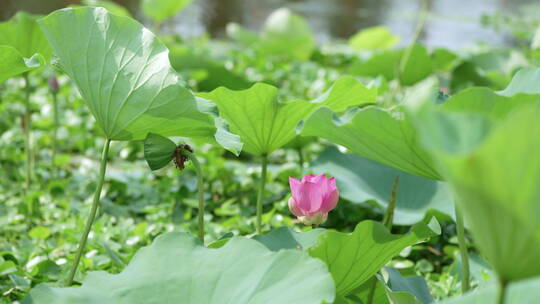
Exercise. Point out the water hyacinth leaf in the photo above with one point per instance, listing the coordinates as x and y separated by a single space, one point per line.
285 238
385 136
264 124
123 73
373 38
158 151
495 179
161 10
23 33
353 258
12 63
177 268
360 179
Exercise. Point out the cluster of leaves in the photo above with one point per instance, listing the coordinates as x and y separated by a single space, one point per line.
449 126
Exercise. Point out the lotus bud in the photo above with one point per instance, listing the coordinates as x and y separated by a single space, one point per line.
53 84
312 198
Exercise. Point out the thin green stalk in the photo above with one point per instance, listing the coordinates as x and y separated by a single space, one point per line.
371 294
300 158
27 124
387 222
261 192
460 227
389 216
418 30
55 129
93 210
200 187
501 294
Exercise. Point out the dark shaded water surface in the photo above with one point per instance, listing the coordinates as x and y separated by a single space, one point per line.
451 23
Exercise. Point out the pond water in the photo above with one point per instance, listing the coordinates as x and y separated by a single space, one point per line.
451 23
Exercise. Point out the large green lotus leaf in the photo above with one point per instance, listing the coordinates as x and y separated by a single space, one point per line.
285 238
12 63
386 63
385 136
373 38
360 179
123 73
390 136
353 258
522 292
264 124
287 34
495 177
161 10
23 33
176 268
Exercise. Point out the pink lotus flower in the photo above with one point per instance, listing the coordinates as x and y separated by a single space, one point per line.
312 198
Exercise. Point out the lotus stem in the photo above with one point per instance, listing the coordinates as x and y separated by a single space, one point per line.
387 222
300 158
501 294
200 188
460 227
261 193
27 124
93 211
389 216
55 129
422 16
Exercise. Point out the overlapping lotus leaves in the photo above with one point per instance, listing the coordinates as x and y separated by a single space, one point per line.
360 179
123 73
527 291
264 124
389 136
176 268
161 10
23 33
12 63
391 288
19 55
404 290
285 238
375 133
353 258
